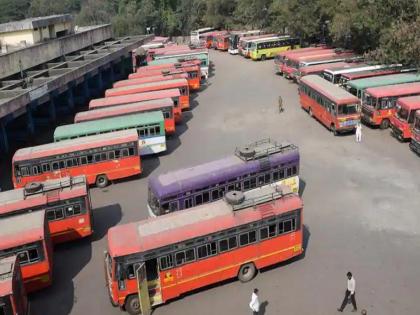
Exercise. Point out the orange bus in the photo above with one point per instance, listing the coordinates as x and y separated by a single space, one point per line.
222 42
282 57
334 107
403 120
415 134
154 77
193 73
27 236
13 299
66 202
192 62
100 158
160 50
173 254
165 105
379 103
181 84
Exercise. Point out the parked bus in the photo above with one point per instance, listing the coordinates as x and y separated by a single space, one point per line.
165 105
357 87
181 84
164 66
332 106
222 42
192 72
66 202
262 49
415 134
378 103
150 128
100 158
258 164
334 75
235 37
151 53
245 43
174 94
281 58
320 68
155 260
13 299
404 118
346 77
197 35
27 236
157 76
202 55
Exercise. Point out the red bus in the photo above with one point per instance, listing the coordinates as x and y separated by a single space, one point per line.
345 77
319 69
165 105
403 120
192 62
283 56
330 104
13 299
66 202
193 74
210 38
100 158
27 236
155 77
158 51
190 249
415 134
181 84
294 62
222 42
379 103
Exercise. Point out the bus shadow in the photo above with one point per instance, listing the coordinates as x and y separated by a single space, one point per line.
302 186
212 70
69 260
193 104
105 218
149 164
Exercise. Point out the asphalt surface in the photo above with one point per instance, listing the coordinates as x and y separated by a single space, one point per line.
362 209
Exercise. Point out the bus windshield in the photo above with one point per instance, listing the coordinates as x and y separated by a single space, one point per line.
369 100
402 113
417 123
347 109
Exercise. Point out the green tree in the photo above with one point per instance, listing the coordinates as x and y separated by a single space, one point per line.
13 10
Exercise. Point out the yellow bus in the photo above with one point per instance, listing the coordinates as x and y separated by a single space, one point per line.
264 48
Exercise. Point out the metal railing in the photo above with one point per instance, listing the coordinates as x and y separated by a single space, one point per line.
259 152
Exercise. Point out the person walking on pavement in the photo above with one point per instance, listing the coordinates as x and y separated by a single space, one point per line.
281 109
359 132
255 303
350 293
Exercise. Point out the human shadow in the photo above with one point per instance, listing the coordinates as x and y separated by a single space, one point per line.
263 308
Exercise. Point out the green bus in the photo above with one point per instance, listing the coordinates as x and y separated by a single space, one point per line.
150 128
357 87
202 55
264 48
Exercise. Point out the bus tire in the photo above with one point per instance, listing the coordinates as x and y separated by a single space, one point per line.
234 197
101 181
132 304
247 272
384 124
310 112
334 131
263 57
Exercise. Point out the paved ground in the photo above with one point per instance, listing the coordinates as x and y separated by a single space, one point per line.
362 209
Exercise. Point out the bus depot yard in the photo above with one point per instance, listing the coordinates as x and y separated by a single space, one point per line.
227 187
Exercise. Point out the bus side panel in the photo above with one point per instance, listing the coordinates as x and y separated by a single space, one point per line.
307 102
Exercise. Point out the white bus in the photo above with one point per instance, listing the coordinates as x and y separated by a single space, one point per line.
195 35
235 38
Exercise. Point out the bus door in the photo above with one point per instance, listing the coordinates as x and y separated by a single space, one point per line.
143 290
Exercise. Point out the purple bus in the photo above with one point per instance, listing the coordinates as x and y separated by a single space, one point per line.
258 164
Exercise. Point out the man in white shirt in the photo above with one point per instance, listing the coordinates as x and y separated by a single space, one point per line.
350 292
255 303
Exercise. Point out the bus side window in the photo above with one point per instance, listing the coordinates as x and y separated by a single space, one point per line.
173 206
198 199
289 172
36 169
166 262
55 166
206 196
46 167
247 238
187 203
294 170
206 250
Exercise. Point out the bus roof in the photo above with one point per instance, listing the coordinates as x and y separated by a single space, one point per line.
179 74
410 102
328 89
391 79
394 90
121 110
106 125
169 65
193 52
324 66
7 269
318 55
133 98
356 68
22 229
306 50
170 73
73 145
210 173
202 220
269 39
157 85
20 199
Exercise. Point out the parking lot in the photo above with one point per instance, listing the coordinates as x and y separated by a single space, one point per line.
362 208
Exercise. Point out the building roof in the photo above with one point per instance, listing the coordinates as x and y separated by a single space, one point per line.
328 89
75 145
107 125
133 98
22 229
178 226
17 200
36 22
411 102
149 86
399 78
394 90
120 110
7 268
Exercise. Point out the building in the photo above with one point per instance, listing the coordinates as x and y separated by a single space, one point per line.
15 35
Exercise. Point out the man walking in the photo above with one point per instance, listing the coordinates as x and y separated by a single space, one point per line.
359 132
281 109
350 293
255 303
